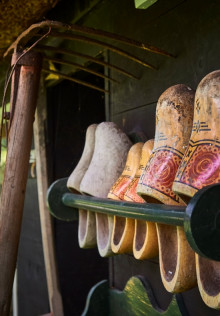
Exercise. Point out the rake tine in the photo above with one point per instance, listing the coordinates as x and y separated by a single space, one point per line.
103 44
83 83
78 66
43 48
86 30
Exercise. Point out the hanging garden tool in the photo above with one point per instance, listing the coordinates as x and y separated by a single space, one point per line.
25 84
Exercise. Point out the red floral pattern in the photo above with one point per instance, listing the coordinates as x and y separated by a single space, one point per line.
160 172
203 166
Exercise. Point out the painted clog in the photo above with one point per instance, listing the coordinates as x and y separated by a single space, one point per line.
108 161
145 244
86 226
123 228
174 116
201 167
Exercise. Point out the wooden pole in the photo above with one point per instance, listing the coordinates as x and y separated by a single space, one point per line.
16 170
55 300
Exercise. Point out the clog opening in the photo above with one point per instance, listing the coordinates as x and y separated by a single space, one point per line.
83 215
141 232
102 230
72 190
119 229
168 250
184 197
210 275
150 199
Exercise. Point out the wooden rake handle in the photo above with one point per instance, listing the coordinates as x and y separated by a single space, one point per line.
23 97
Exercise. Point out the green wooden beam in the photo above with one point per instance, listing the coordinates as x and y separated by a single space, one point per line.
201 217
164 214
144 4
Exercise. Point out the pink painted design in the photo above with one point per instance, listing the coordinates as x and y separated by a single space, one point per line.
203 167
121 186
131 191
160 172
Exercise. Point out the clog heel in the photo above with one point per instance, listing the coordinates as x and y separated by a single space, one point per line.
123 228
145 244
201 167
86 227
174 116
108 161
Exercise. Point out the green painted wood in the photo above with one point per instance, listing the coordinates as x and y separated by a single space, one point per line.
160 213
202 222
97 300
144 4
200 218
137 299
54 201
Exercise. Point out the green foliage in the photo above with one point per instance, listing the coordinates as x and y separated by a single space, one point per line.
3 149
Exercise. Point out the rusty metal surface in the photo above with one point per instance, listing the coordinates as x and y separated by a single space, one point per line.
33 29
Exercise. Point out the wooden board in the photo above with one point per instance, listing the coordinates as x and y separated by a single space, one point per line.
55 299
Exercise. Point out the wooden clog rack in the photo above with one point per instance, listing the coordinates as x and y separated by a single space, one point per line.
200 218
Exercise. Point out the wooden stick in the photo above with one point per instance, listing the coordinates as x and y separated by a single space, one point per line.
16 172
55 299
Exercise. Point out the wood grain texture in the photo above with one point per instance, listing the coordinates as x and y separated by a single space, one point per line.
55 299
15 177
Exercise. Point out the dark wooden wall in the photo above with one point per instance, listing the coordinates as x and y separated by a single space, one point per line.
71 109
31 277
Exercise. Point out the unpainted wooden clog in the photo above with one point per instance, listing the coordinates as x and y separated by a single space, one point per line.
78 173
145 244
201 167
110 153
87 223
174 116
123 228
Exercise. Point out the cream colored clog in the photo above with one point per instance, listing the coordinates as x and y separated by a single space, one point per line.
108 161
87 224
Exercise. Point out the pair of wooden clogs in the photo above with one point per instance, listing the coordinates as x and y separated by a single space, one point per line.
101 164
185 158
130 235
174 117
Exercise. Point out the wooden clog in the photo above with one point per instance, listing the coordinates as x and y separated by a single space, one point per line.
86 227
174 116
145 244
108 161
123 228
78 173
201 167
